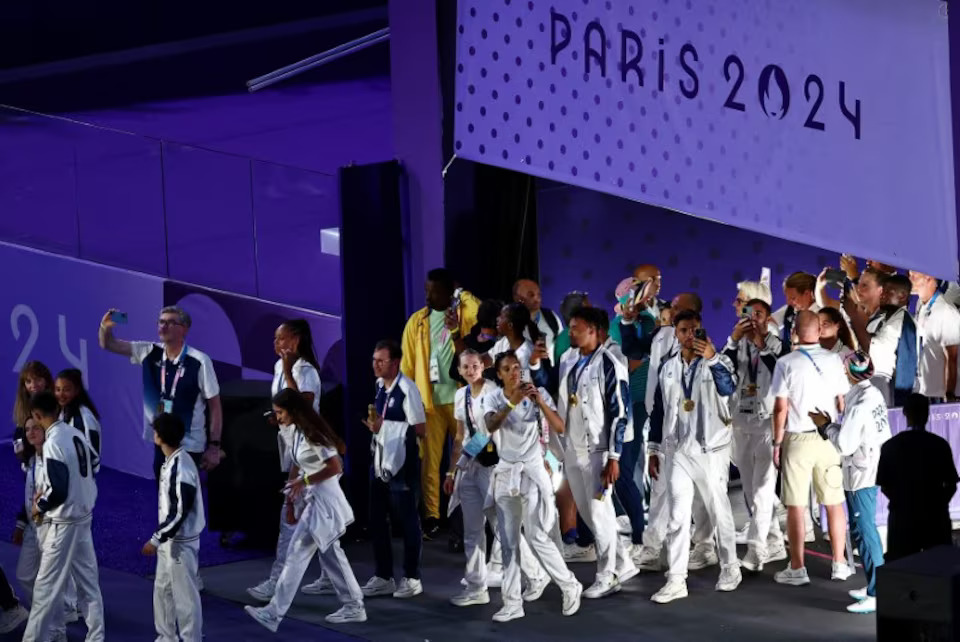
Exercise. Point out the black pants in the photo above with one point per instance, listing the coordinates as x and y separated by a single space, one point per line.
7 599
389 501
909 534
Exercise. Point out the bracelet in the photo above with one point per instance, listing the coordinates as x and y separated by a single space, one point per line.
451 475
777 444
306 479
511 405
214 442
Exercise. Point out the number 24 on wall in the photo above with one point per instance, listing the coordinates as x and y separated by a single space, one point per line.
24 311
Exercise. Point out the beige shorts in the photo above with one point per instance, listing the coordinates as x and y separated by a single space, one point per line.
804 455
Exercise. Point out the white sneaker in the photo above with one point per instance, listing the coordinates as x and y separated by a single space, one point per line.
674 589
742 533
571 599
604 586
649 560
508 613
377 586
730 578
793 577
408 588
864 606
751 561
858 594
347 614
627 572
263 617
495 578
842 571
263 591
470 598
13 618
572 553
702 558
536 588
776 553
322 586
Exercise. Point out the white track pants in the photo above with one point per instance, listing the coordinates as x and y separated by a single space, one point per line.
333 561
583 471
66 549
28 564
523 510
753 456
176 596
283 544
658 519
704 474
473 488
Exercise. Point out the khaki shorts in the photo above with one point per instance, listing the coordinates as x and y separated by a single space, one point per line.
805 454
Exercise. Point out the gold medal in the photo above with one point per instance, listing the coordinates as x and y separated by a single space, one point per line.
689 405
573 399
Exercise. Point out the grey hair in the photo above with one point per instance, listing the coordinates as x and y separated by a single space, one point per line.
180 312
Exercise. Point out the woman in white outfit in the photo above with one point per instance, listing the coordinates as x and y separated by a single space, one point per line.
474 458
522 488
518 333
314 477
835 335
25 535
296 369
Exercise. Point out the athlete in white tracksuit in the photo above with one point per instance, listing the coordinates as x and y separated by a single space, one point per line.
522 488
176 542
595 403
754 357
663 345
475 456
690 425
307 380
315 476
65 507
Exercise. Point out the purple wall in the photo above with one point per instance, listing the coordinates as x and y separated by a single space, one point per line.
591 241
202 212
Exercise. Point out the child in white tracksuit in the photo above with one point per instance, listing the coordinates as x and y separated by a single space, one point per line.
64 507
176 542
315 476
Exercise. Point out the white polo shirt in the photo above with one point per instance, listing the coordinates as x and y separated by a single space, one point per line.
810 378
306 376
938 327
523 433
524 352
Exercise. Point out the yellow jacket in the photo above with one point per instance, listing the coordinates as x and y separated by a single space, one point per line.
415 363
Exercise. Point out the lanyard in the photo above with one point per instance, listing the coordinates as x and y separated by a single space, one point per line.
753 363
176 377
933 300
573 380
688 389
468 401
807 355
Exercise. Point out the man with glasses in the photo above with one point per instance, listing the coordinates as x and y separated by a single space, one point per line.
177 379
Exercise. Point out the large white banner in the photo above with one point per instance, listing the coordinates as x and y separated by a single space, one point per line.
826 122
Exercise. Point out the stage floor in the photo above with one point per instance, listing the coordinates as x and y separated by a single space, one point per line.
759 610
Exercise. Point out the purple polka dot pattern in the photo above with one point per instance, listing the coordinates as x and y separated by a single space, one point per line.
664 146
